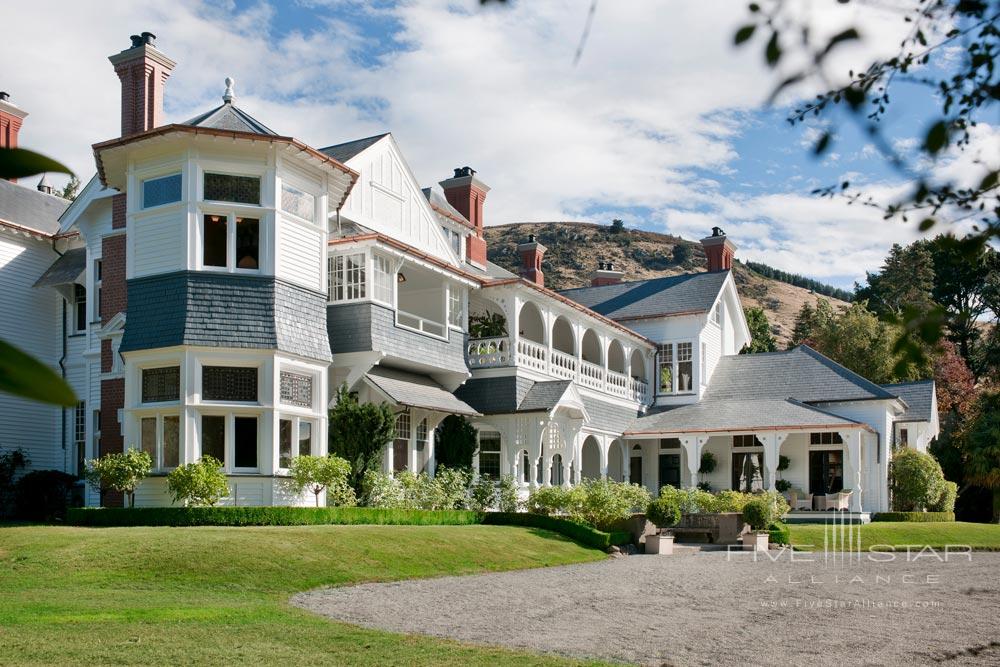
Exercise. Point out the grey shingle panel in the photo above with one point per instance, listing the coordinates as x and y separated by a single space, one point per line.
608 416
64 270
228 117
348 149
690 292
802 374
30 208
736 415
219 310
919 398
494 396
417 391
362 327
543 396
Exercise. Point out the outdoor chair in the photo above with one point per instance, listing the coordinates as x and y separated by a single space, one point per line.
836 501
799 500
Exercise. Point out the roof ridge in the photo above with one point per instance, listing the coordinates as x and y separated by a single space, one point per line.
820 410
907 382
645 280
354 141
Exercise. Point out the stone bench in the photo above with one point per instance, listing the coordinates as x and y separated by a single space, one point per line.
717 527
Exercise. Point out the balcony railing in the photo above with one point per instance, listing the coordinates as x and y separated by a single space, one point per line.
411 321
495 352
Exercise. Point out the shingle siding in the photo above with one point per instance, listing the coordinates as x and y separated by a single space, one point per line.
608 416
362 327
690 292
493 396
220 310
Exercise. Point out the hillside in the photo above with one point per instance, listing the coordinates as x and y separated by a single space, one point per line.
574 249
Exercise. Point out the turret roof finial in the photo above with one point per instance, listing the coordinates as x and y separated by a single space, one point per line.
228 96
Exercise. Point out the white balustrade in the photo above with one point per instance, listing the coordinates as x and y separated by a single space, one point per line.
618 383
563 365
591 375
530 354
640 390
488 352
411 321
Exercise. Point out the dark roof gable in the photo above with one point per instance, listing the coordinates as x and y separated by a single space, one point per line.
669 295
229 117
27 207
347 150
919 398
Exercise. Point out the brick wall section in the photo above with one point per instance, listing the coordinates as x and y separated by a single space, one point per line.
114 300
114 296
112 399
107 360
142 82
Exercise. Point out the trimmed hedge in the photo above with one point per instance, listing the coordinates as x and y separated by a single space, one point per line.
916 517
266 516
107 517
779 533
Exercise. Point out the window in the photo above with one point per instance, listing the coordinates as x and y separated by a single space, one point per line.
229 383
456 313
238 189
347 277
717 314
382 284
421 444
245 442
296 389
904 437
79 308
159 436
305 438
825 438
80 435
215 240
489 454
703 363
675 368
454 239
161 190
289 445
284 443
98 277
746 441
216 229
213 437
298 203
525 468
161 384
670 443
401 444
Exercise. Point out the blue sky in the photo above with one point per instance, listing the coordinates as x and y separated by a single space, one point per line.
661 123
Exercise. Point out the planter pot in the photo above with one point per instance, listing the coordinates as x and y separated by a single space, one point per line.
756 541
662 545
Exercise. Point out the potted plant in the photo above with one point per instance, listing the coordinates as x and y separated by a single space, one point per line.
759 513
664 513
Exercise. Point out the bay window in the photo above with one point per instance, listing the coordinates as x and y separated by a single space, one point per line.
232 188
384 277
295 438
230 242
347 277
675 368
456 311
232 439
159 436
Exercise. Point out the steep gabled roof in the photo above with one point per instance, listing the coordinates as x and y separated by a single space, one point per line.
919 398
229 117
418 391
802 374
669 295
26 207
348 149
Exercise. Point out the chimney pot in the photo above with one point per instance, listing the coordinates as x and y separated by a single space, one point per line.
142 73
136 41
606 274
531 252
148 38
4 96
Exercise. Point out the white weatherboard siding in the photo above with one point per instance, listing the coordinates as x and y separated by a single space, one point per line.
300 254
31 322
158 243
874 464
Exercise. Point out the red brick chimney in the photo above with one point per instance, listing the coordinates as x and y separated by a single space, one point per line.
11 118
143 71
531 252
468 194
719 250
606 274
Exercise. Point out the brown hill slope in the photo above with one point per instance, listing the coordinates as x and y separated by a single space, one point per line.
575 248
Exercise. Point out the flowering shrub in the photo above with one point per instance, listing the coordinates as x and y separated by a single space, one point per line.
599 503
201 483
507 494
690 501
447 490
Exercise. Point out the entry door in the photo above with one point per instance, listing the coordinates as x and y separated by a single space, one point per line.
400 451
670 470
635 470
826 472
747 475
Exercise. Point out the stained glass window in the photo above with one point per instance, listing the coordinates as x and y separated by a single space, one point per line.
228 383
227 187
161 190
296 202
296 389
161 384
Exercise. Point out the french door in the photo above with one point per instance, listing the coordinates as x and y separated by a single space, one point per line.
826 472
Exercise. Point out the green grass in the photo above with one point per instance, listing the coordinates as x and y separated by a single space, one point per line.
220 595
983 536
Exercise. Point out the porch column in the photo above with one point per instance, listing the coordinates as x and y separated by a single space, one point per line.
387 459
693 446
772 450
852 466
603 446
566 481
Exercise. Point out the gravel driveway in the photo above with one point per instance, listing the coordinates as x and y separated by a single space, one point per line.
704 608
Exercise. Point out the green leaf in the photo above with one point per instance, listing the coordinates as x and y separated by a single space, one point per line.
926 224
744 33
23 375
937 137
847 35
989 181
822 144
773 50
20 163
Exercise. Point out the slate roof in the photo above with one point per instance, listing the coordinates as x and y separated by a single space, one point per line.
437 199
496 395
802 374
347 150
543 396
27 207
418 391
729 415
669 295
919 397
64 270
228 117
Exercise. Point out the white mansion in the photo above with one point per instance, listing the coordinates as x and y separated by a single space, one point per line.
215 282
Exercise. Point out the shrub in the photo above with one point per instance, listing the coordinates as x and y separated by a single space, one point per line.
705 486
316 473
482 495
916 480
454 486
10 462
779 533
759 513
582 533
663 512
507 494
782 485
266 516
43 495
691 501
946 503
120 471
779 504
455 441
382 491
708 463
603 502
358 432
919 517
731 501
549 500
783 462
201 483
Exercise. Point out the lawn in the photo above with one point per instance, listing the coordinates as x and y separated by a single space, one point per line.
219 595
977 535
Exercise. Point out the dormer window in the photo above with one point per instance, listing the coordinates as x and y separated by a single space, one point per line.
675 368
